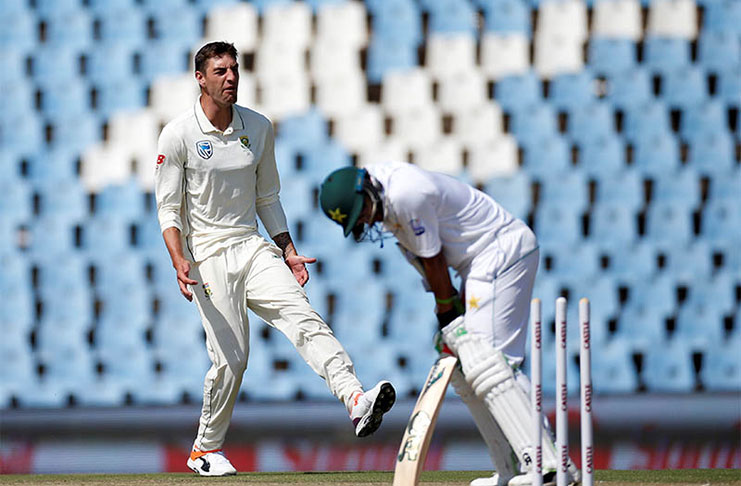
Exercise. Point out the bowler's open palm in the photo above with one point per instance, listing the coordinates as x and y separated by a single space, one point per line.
297 264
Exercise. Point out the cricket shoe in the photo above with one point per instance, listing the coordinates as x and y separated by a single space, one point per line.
369 407
210 463
493 480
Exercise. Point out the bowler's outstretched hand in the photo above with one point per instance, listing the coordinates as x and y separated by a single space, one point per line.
297 264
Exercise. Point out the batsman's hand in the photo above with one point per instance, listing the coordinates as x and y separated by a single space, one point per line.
297 264
182 267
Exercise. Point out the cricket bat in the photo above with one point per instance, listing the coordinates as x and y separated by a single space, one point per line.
419 429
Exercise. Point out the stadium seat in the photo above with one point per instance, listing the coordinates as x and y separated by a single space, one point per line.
452 16
514 193
558 55
287 22
716 48
589 122
120 95
320 161
557 224
419 127
19 29
505 54
341 95
518 91
684 87
448 55
643 326
534 122
672 18
656 154
573 261
122 25
700 325
686 263
329 61
729 86
342 23
706 117
629 263
404 91
610 56
669 368
68 200
59 62
612 367
478 124
163 57
396 19
720 221
721 368
566 19
571 188
613 224
683 188
389 54
546 156
496 157
16 200
629 88
363 129
506 16
569 91
63 101
617 19
602 293
73 28
445 156
711 153
664 54
669 221
236 22
722 17
726 187
602 155
646 120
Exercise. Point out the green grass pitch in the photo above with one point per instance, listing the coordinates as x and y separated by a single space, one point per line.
684 477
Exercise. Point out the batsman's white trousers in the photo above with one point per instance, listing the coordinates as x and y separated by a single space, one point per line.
498 308
252 275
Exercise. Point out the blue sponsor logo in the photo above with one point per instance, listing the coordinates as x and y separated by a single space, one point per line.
416 226
204 148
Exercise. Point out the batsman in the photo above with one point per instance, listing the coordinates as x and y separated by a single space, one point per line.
440 222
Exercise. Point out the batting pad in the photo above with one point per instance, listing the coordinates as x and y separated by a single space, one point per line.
493 381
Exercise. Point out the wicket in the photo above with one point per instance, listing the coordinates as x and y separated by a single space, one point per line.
585 380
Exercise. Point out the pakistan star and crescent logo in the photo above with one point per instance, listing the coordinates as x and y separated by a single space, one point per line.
473 302
336 214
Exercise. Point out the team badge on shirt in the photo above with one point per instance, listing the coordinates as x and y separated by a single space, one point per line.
244 140
207 290
204 148
416 226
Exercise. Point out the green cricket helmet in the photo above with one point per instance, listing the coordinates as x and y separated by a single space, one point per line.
341 197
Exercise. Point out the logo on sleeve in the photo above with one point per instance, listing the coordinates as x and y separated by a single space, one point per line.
160 159
417 227
204 148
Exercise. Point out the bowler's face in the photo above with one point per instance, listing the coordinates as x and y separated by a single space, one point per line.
221 79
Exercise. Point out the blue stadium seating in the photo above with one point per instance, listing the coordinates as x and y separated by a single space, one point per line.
613 370
629 88
388 54
110 63
646 120
397 20
711 153
722 17
669 368
546 156
684 87
570 189
625 189
532 123
706 117
716 48
729 85
669 221
571 91
451 16
683 188
590 122
721 370
514 193
19 29
613 223
656 154
513 92
505 16
602 155
721 221
665 54
123 26
611 56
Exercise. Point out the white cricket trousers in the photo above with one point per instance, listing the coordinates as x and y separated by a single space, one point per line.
498 309
252 275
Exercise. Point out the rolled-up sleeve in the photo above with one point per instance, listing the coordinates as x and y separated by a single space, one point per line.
168 179
267 199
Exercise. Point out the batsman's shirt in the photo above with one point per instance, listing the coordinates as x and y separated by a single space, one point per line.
211 185
428 212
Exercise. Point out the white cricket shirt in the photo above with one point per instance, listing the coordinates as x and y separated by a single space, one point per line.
211 184
428 211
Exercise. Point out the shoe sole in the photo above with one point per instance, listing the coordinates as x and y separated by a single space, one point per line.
384 401
191 465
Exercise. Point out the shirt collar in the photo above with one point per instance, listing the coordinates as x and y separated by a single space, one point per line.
207 127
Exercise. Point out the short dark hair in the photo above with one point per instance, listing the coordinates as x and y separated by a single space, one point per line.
213 49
